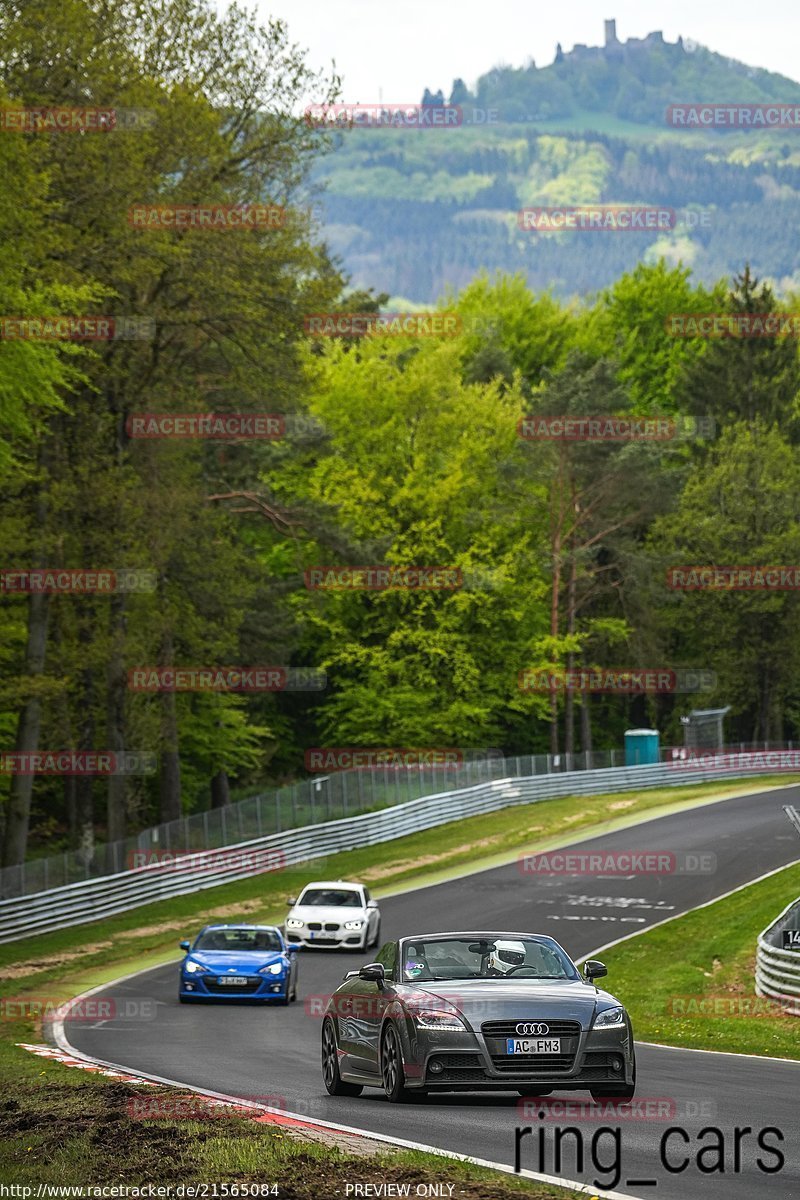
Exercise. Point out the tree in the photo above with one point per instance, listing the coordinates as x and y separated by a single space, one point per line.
226 308
746 378
740 507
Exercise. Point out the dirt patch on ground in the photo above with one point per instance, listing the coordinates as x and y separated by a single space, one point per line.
35 965
425 860
235 910
227 910
95 1131
618 804
128 935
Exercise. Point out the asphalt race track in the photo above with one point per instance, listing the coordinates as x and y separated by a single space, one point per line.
273 1053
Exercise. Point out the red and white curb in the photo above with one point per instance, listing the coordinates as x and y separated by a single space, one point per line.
69 1060
212 1102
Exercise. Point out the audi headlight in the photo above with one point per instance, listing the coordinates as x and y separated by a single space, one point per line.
439 1018
272 969
191 967
610 1016
294 923
353 924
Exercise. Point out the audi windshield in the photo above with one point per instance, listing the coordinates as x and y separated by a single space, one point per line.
484 958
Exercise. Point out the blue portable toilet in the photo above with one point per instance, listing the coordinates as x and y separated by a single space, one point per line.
641 746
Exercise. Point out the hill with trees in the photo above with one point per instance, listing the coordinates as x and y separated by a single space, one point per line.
413 211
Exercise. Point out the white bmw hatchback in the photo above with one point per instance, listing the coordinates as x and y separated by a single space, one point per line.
334 913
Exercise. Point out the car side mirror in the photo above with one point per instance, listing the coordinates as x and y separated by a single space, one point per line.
292 948
373 973
593 969
372 904
349 975
185 945
292 901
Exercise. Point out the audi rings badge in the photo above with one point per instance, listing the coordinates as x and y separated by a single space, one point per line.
532 1029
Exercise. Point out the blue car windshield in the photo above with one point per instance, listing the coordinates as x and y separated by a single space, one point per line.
516 959
236 940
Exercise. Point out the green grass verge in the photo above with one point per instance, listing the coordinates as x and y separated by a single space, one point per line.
689 982
81 1129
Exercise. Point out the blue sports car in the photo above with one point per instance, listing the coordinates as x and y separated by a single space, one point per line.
239 962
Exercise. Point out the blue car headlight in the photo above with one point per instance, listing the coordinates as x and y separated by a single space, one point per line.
276 968
609 1018
191 967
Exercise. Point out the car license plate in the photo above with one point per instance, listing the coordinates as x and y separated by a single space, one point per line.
533 1045
232 980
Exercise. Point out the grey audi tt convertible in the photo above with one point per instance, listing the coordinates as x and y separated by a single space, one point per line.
476 1012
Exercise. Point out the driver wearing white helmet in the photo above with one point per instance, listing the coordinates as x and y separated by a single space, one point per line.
505 956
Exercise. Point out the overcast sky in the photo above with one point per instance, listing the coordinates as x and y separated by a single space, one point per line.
392 51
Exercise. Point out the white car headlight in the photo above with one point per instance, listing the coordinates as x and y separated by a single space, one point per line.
438 1018
610 1016
272 969
353 924
294 923
191 967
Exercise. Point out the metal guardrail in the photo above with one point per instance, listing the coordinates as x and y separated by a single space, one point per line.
78 903
778 970
306 802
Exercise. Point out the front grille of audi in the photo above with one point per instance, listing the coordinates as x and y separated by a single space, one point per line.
496 1033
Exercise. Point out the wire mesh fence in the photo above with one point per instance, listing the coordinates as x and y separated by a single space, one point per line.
307 802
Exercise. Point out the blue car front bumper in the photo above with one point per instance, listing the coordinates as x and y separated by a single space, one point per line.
262 988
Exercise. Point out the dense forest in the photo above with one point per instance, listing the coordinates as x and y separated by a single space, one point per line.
380 449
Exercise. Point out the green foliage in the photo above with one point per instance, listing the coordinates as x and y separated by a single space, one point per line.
398 450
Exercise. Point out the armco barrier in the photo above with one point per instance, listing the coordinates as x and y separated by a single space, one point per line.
78 903
778 970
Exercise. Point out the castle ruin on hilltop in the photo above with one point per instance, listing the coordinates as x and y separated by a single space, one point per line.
614 48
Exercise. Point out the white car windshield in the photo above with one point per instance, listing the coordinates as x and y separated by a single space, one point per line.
484 958
331 898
